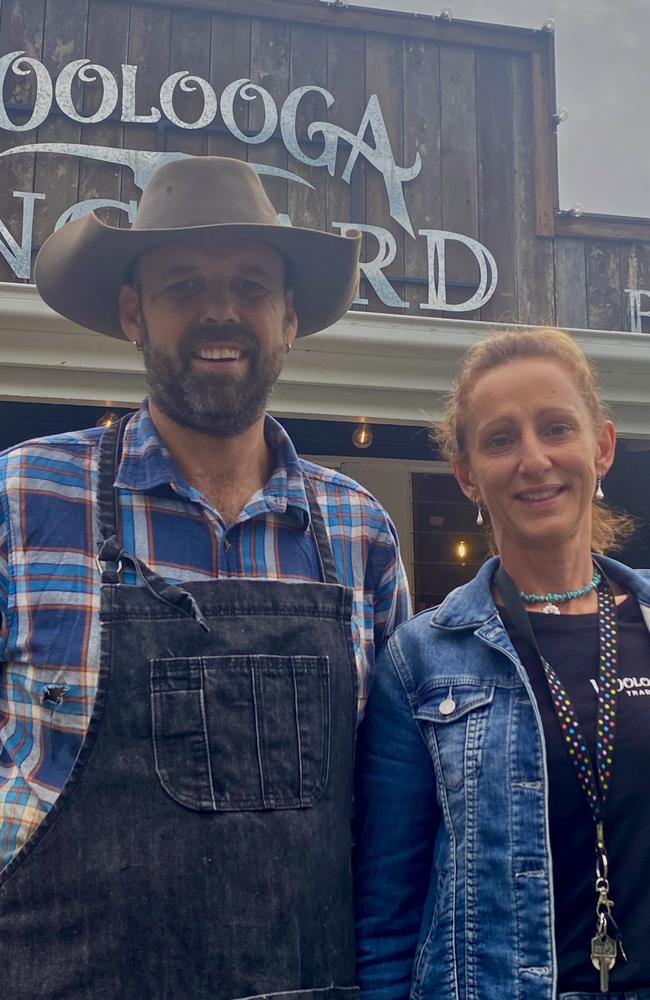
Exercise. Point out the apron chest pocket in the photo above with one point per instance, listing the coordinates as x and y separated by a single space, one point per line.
241 732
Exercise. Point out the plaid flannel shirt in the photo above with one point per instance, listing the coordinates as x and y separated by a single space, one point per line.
49 583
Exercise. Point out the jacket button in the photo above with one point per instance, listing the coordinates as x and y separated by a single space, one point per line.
447 706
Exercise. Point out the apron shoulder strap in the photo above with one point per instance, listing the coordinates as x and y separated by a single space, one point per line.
110 451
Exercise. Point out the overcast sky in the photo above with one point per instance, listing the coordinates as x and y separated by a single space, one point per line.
602 52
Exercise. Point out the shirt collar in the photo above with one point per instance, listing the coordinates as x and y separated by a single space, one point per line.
147 465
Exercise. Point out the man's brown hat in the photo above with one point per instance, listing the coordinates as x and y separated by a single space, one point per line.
81 267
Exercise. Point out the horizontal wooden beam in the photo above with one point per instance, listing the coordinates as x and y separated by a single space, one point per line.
609 227
370 19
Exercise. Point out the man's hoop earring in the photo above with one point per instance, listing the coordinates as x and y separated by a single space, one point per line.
599 495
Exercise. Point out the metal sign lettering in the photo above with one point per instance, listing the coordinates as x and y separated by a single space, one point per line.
371 142
636 312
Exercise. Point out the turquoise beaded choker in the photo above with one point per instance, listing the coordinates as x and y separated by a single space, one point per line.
550 601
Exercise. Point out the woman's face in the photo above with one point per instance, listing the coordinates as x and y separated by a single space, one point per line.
533 455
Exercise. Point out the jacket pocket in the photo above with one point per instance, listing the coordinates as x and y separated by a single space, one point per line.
241 732
453 714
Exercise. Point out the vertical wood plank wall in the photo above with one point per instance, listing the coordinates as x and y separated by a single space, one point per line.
468 111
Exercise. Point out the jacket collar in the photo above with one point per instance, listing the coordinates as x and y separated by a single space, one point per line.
471 605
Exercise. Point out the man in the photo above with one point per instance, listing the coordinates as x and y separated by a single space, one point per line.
190 614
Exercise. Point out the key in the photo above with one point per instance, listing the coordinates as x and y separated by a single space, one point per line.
603 958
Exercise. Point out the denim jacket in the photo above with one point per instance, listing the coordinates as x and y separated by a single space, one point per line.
454 878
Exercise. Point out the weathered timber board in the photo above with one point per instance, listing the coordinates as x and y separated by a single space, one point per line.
149 48
191 34
533 253
422 134
545 148
635 274
458 158
64 40
570 283
604 302
108 39
385 78
270 50
231 53
496 178
346 81
308 66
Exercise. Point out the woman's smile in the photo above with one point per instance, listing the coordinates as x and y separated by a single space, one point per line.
540 497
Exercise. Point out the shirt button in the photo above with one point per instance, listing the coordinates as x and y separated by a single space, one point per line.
226 544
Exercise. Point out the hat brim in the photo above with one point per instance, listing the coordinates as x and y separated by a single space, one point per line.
81 268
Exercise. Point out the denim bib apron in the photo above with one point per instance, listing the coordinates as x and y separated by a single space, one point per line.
200 849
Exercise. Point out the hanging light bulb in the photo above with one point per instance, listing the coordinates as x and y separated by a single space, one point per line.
447 13
362 435
462 551
577 210
107 419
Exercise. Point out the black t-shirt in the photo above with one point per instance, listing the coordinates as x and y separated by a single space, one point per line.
570 644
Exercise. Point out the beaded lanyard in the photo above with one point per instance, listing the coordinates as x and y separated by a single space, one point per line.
596 789
595 784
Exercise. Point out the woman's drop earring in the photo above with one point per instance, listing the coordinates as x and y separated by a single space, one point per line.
479 516
599 495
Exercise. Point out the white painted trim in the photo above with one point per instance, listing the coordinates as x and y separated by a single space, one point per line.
384 367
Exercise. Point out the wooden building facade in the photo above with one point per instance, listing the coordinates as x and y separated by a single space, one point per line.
436 138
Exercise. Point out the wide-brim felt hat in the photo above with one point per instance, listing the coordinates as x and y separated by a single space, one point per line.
80 268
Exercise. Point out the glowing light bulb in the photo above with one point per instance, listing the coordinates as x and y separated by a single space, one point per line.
462 550
362 435
107 419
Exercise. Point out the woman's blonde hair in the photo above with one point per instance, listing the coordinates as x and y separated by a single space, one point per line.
610 529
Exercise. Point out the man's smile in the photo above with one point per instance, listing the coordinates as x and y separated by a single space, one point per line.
219 353
228 357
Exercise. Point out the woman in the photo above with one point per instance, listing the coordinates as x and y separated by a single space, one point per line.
503 807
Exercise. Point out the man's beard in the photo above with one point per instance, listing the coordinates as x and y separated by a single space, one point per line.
220 405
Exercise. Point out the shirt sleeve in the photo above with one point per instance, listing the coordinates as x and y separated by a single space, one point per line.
4 586
392 595
396 820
